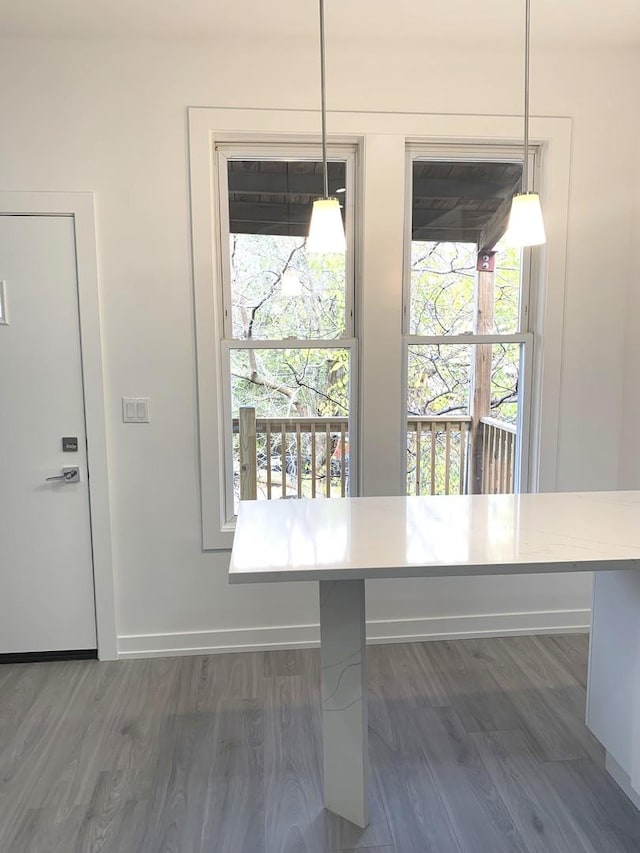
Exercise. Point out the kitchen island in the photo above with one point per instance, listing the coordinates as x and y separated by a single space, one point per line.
341 543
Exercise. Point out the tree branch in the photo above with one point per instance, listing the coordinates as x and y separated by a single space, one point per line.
255 378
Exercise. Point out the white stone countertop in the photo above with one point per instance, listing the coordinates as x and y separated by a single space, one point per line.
388 537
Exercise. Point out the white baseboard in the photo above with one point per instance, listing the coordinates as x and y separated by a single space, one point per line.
378 631
622 778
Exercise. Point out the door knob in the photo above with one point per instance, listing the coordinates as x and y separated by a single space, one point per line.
69 475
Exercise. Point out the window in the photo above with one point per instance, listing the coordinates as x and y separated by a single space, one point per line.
287 349
467 344
375 439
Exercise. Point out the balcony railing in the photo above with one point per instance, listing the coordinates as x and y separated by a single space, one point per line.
437 454
309 457
498 456
292 457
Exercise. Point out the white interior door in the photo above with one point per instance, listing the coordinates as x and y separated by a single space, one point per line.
46 577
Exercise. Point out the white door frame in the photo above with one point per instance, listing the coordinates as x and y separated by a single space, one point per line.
80 207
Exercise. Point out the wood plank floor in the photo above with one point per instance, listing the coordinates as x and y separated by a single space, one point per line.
477 746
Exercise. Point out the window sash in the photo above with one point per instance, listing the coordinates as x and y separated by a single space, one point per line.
282 153
465 152
226 346
524 421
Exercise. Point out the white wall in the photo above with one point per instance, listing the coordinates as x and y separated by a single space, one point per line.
109 117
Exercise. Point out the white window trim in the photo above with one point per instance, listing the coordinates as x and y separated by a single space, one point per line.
379 301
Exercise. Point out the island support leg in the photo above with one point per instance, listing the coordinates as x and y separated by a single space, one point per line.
344 699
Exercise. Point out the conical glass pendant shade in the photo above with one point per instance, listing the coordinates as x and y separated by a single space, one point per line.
526 225
291 284
326 231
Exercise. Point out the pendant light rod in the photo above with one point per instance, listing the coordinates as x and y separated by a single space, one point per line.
527 34
323 104
326 229
526 223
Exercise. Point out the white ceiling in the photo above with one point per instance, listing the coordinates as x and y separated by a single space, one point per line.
614 22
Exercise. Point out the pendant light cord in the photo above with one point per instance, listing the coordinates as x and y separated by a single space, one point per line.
525 165
323 103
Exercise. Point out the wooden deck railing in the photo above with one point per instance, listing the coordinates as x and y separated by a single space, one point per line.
293 457
309 457
498 456
437 453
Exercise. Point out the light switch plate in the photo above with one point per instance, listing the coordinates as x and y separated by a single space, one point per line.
135 410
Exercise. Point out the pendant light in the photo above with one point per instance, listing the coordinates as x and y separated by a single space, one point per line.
326 231
526 226
290 284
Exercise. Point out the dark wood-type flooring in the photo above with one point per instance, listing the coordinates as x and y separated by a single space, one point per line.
477 746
